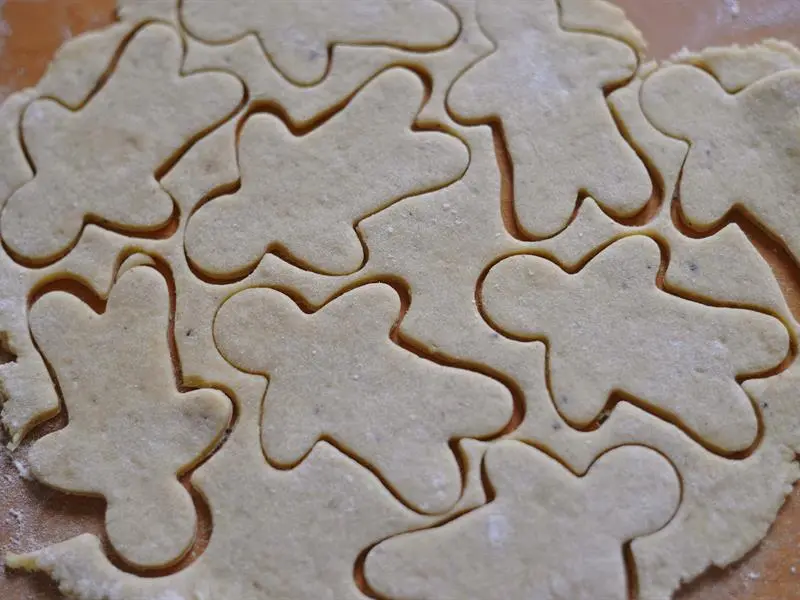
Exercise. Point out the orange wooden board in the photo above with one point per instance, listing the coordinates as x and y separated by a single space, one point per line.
32 515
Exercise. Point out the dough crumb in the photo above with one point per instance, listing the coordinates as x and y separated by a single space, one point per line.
23 469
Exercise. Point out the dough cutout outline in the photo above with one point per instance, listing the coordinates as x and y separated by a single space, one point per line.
330 244
450 562
139 206
147 506
379 400
624 267
713 181
544 200
304 59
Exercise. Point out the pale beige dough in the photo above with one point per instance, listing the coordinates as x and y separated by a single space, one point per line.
81 62
609 328
277 534
279 207
545 87
297 36
44 218
547 535
29 395
744 147
139 11
425 230
600 16
739 66
336 374
727 506
116 376
705 531
212 162
350 68
459 220
417 239
723 268
14 168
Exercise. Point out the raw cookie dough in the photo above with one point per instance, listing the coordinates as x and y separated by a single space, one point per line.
436 245
609 328
545 87
600 16
547 535
744 147
29 396
350 68
362 160
81 62
337 374
277 534
116 376
298 36
739 66
129 128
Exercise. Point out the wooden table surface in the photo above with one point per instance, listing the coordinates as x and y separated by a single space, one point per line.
32 515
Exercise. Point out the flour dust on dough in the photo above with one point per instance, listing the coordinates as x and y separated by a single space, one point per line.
294 510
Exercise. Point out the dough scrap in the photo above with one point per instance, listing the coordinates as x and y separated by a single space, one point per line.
336 374
297 36
314 218
736 67
744 147
610 328
545 86
600 16
116 375
130 123
724 268
546 535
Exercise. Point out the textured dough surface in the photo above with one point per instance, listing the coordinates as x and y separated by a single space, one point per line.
545 86
73 152
297 36
546 535
739 66
337 374
116 376
609 328
312 523
319 469
314 221
744 148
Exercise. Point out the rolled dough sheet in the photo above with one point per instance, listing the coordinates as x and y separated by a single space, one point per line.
347 410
